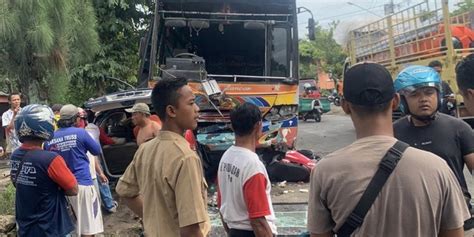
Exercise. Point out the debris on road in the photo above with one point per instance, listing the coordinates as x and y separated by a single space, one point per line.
282 184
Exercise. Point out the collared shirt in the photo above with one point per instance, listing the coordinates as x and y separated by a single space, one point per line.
13 141
169 176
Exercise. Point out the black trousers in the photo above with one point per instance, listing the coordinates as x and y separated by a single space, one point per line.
241 233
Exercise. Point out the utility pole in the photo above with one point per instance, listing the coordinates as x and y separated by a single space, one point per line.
389 8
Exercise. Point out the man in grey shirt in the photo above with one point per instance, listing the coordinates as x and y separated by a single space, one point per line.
420 198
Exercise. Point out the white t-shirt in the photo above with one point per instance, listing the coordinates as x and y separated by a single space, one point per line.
244 189
13 142
94 132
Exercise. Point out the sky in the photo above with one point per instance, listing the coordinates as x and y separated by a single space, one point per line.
350 16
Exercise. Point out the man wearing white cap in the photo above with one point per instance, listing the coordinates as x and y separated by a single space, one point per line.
141 117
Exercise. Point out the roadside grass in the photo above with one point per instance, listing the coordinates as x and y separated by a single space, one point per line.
7 200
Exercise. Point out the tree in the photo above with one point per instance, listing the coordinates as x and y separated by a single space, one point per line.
121 24
463 6
41 40
323 53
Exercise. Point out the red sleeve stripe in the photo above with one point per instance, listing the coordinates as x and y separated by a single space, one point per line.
255 196
219 198
60 173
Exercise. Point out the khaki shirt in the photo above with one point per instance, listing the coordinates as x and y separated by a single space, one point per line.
420 198
169 177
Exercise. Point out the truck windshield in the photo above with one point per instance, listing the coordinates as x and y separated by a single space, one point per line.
279 52
231 49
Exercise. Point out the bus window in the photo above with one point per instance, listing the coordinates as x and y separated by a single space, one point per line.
279 51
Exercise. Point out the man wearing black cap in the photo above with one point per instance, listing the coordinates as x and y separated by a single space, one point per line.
420 196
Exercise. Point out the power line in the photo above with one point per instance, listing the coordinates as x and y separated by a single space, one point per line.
373 3
349 13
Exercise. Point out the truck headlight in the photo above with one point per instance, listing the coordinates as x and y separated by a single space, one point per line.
281 113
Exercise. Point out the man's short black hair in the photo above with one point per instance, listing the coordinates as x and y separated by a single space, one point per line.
90 115
244 117
364 111
166 93
66 123
12 94
435 63
465 73
56 107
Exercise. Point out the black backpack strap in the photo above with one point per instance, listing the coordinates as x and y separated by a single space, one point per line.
386 167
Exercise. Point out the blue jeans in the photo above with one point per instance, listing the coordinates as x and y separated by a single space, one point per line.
106 195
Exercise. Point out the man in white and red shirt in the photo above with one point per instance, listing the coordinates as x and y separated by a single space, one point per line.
243 194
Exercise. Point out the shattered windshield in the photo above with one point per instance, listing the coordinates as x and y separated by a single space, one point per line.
230 49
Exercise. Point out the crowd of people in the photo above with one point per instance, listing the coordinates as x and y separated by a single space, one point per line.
397 179
57 150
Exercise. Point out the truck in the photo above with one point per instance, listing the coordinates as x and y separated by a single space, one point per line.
231 52
416 35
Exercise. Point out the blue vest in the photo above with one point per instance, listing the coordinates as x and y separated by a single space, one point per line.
41 207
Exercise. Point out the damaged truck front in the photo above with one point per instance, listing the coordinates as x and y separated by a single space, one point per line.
231 52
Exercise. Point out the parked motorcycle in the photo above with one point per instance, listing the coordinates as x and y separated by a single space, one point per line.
335 99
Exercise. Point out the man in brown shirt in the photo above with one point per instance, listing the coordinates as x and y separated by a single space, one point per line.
420 198
164 183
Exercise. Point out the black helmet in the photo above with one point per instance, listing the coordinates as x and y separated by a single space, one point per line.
35 121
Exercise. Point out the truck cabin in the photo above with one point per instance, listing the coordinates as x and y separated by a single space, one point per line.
248 38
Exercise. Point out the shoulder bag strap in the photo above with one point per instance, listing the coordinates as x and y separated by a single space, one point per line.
386 167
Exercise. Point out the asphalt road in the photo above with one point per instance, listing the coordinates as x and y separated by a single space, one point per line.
332 133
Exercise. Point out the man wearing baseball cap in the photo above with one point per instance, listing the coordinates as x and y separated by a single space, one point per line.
147 126
73 143
378 186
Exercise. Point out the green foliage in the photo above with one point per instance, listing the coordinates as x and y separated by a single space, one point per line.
83 27
464 6
7 200
121 24
308 70
40 41
324 52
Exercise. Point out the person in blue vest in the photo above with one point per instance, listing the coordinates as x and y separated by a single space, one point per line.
42 178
